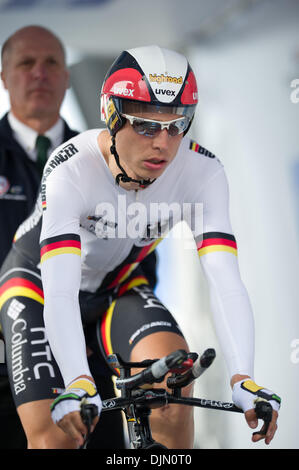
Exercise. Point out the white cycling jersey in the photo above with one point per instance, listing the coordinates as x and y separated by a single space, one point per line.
94 233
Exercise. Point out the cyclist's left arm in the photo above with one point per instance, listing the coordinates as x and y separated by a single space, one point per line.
231 307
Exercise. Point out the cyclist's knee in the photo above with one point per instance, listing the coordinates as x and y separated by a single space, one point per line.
47 435
50 439
40 430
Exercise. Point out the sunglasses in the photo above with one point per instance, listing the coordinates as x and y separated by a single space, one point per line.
151 128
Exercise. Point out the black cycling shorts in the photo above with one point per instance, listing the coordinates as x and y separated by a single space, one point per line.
134 314
112 323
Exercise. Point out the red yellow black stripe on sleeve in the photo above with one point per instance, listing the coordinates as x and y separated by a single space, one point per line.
217 241
62 244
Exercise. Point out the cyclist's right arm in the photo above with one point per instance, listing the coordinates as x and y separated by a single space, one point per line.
61 275
230 303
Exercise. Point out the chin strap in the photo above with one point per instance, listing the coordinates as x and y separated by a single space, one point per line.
123 177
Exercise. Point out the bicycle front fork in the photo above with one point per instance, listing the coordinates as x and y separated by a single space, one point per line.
139 430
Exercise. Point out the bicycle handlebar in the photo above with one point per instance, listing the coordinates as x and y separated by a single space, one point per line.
178 362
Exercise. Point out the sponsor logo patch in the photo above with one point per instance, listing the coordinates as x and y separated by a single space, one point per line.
165 79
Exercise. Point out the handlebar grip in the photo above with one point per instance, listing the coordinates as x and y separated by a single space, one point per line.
203 362
162 366
263 410
88 411
200 365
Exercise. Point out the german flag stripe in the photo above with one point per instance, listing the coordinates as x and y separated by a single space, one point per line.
20 287
218 241
125 272
194 146
137 281
226 236
147 250
215 248
214 241
60 245
106 331
199 149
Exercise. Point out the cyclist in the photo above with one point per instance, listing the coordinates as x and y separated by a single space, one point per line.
96 220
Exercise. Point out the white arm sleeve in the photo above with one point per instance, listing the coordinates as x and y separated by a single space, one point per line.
232 312
61 274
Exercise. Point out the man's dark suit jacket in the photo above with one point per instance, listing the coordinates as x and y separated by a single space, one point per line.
19 184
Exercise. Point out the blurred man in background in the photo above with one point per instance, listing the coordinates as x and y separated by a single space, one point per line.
35 75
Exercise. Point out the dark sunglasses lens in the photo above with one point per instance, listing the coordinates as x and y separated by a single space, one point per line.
178 127
173 130
146 128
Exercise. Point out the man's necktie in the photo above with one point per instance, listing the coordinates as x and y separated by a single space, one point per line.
42 146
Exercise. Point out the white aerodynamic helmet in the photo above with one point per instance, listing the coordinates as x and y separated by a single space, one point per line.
148 79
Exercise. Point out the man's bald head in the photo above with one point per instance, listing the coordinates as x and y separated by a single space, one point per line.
35 75
27 32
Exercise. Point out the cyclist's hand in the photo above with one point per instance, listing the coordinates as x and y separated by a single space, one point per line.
245 395
65 409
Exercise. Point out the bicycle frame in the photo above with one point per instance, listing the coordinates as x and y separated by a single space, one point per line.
137 410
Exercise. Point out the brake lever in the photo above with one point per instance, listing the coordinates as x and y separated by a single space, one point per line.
88 412
263 410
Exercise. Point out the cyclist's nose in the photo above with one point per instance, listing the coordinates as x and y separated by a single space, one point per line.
161 140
